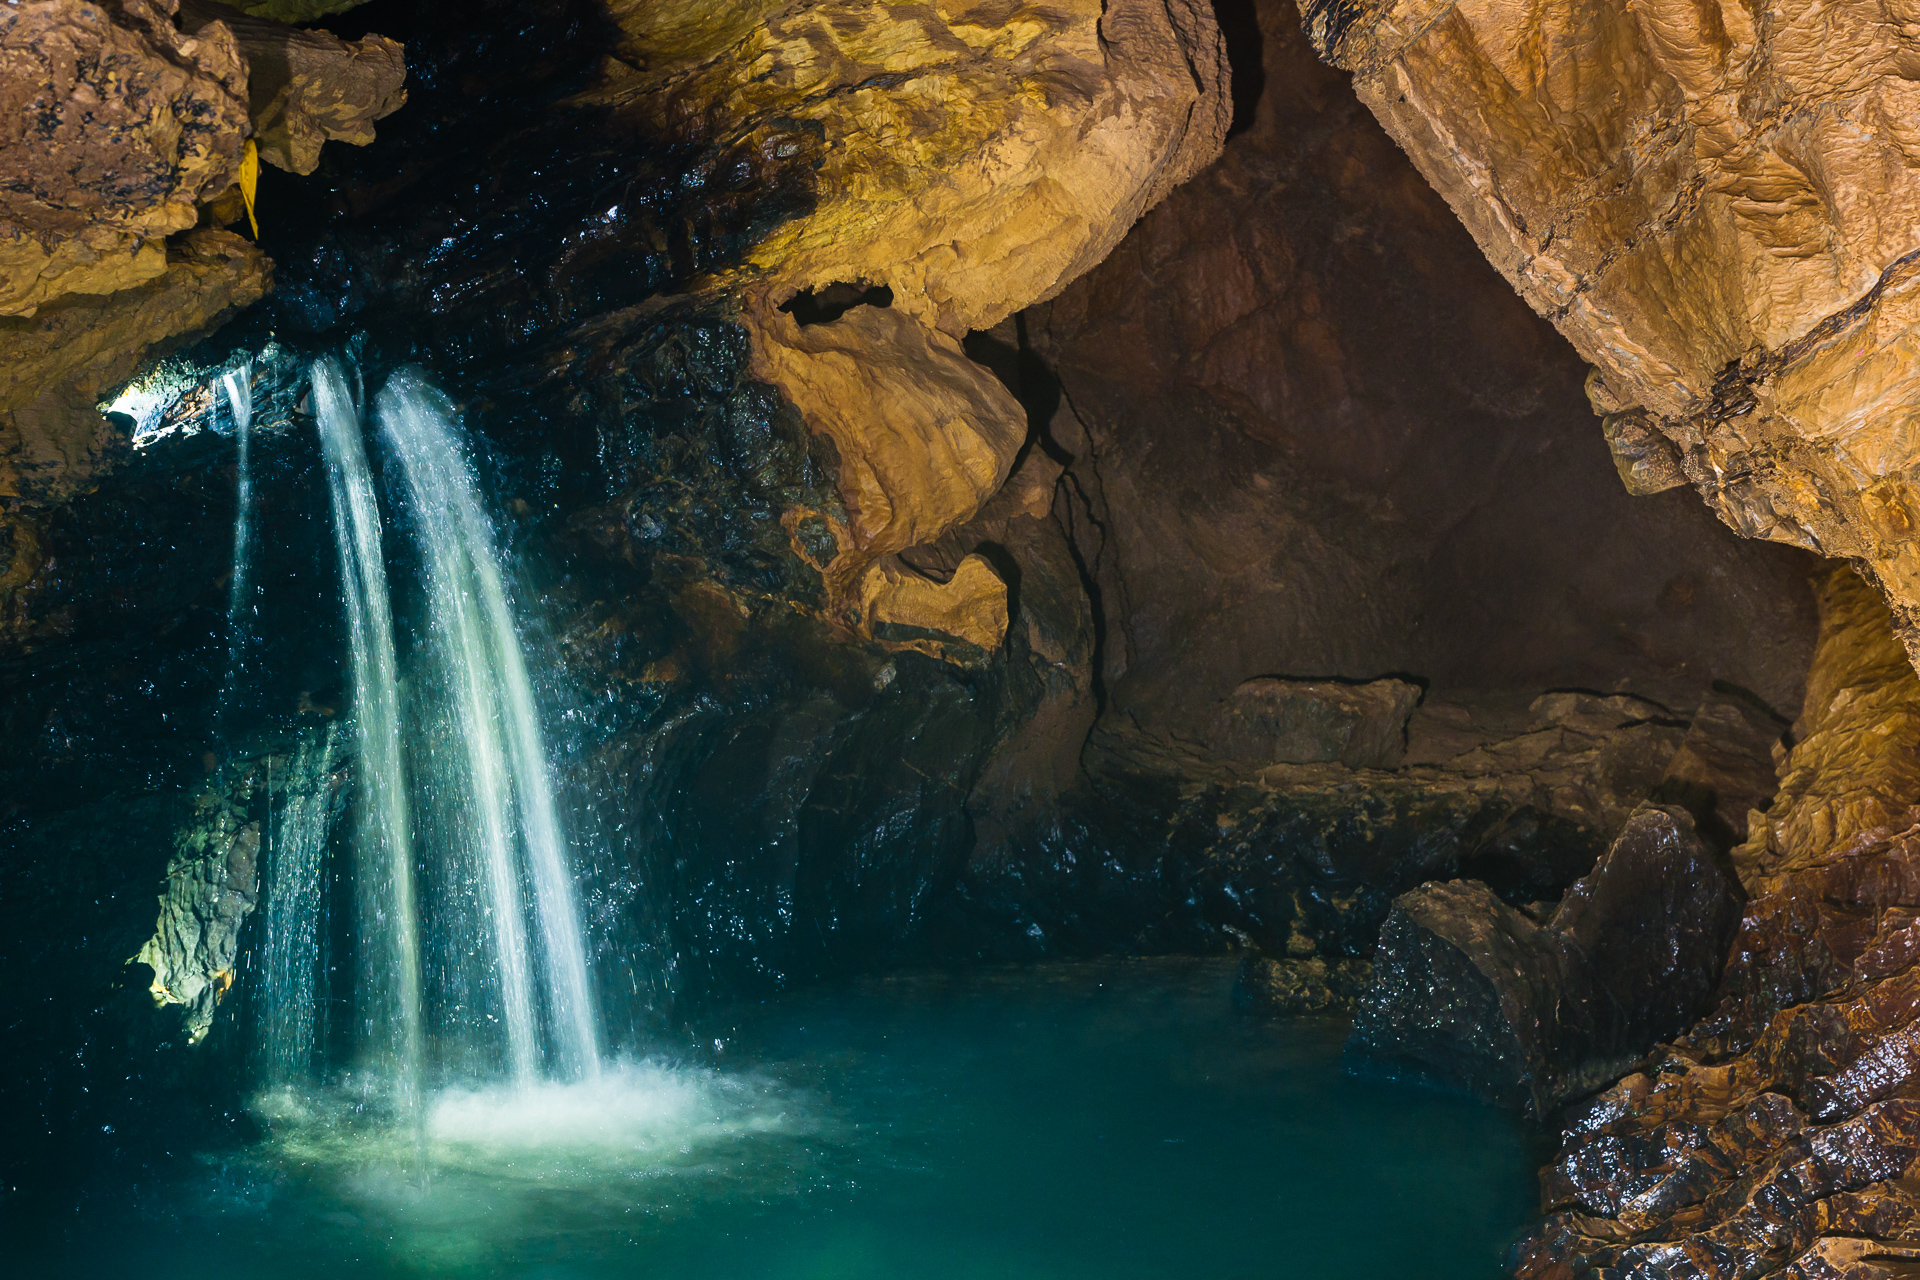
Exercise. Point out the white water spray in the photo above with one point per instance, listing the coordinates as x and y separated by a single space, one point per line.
392 1022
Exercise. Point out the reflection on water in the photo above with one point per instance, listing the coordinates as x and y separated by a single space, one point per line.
1087 1120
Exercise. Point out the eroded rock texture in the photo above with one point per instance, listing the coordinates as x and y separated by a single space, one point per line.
1311 435
971 159
1532 1013
1780 1137
116 125
1715 205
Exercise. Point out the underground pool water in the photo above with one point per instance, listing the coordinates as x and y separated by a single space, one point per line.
1111 1119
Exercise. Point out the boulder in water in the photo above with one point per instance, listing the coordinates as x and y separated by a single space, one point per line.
1530 1014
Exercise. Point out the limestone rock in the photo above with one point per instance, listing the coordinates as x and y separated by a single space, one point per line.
1472 991
1310 985
212 882
305 87
1308 431
56 365
904 608
974 157
1718 207
1854 771
924 435
1281 721
113 125
1780 1137
971 158
1319 852
1724 770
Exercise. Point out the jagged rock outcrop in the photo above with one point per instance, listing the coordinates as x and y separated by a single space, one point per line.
1533 1013
1716 206
306 87
970 159
1779 1137
114 126
213 880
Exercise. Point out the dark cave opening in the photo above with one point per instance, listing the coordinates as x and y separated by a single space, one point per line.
829 302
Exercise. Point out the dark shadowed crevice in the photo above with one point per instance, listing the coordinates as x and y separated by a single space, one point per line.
829 303
1240 32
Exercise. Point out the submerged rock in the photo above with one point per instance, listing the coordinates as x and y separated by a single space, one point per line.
1305 985
1479 995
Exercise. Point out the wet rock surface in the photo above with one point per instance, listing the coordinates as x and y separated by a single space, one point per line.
1779 1137
1010 747
1533 1013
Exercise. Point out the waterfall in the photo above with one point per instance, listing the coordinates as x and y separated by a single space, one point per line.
389 1004
508 786
239 385
295 912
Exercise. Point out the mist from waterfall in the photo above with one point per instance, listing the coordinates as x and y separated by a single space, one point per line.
388 1005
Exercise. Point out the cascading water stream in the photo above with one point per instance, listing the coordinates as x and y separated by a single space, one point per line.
390 1005
295 911
239 387
508 783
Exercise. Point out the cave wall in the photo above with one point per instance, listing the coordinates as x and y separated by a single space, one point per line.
1712 204
1312 434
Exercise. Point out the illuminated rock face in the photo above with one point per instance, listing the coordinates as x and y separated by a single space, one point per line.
56 365
1779 1137
1717 207
114 125
971 157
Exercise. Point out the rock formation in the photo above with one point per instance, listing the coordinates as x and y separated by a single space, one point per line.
970 163
126 127
306 87
1777 1138
1714 205
212 882
1309 434
1535 1013
118 125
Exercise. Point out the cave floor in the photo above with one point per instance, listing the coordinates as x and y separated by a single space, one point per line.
1071 1119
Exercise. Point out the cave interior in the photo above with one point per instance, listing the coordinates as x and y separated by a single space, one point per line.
847 638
